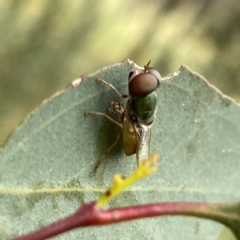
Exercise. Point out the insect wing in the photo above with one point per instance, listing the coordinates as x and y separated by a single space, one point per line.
143 135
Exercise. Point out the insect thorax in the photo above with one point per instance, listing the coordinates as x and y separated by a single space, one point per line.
142 109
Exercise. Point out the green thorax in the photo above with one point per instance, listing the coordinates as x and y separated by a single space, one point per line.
142 108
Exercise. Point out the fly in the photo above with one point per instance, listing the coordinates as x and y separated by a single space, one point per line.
137 115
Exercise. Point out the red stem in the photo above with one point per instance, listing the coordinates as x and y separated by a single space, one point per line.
90 215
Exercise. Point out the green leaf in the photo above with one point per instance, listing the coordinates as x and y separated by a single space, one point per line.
46 166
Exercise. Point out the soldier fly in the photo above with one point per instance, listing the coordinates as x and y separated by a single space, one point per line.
137 115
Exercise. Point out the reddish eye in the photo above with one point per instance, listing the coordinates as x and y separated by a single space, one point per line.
154 72
143 84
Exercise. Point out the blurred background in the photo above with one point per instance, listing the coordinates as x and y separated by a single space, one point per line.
45 44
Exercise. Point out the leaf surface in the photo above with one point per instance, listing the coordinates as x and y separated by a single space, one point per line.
46 166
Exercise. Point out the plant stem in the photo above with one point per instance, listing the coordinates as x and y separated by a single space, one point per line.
90 215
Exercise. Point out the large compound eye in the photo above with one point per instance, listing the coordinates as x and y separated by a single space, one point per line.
154 72
142 84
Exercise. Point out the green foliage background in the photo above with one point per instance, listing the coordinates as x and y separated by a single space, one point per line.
45 44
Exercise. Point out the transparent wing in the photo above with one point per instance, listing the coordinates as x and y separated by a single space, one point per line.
143 134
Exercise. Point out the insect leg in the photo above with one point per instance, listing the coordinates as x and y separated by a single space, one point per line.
104 115
113 88
107 151
113 144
